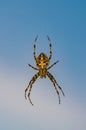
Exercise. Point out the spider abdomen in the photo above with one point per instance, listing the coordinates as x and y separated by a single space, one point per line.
42 61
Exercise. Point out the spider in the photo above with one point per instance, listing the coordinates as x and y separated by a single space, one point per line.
42 63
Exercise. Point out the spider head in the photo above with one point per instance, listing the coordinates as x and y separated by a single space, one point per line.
42 61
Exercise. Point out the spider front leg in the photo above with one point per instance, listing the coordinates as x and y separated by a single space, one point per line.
55 85
34 53
29 87
50 47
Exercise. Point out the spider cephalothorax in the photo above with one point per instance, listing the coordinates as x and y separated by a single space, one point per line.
42 63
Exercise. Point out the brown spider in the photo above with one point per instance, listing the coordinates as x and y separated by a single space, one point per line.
42 63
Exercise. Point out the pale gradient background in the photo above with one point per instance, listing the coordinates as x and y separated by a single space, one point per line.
65 22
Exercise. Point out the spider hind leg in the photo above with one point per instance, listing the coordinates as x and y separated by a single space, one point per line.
34 53
50 47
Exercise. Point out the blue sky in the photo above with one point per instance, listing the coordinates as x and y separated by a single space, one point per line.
65 22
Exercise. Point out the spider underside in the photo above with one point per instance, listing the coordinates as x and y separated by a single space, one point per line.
42 63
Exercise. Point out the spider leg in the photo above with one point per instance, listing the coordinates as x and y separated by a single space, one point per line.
55 83
29 87
51 78
58 85
33 67
52 65
50 47
34 53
